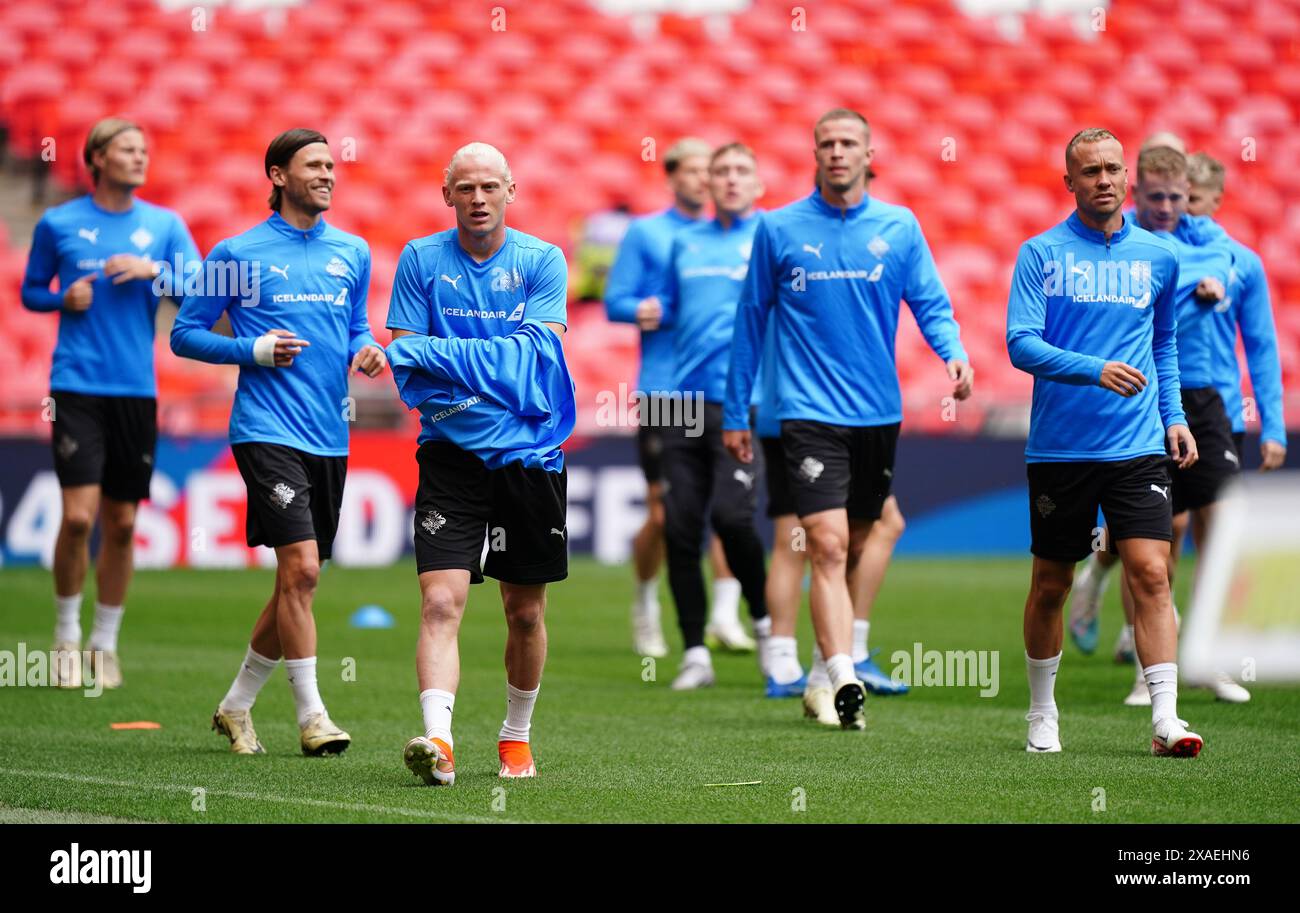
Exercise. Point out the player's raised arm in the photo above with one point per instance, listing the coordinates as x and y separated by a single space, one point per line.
756 302
1026 320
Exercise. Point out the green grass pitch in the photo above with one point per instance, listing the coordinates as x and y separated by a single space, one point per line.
611 746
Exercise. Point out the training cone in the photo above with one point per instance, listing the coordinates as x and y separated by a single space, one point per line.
372 616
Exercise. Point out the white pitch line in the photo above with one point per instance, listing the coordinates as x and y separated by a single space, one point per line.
259 797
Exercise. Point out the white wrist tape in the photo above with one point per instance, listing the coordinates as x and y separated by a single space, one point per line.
264 350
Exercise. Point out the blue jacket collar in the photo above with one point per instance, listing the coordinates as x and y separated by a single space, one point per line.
743 220
1083 231
277 222
677 216
819 203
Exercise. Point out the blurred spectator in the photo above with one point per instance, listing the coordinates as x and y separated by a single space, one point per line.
600 236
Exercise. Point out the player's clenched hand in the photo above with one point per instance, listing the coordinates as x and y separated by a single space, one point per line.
1272 455
739 444
1123 379
649 312
962 376
125 267
79 294
1210 289
370 361
1182 446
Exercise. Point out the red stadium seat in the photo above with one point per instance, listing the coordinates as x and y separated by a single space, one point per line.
572 93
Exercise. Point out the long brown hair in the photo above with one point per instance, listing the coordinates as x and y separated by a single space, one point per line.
281 152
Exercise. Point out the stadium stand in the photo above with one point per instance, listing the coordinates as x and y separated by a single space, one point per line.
571 90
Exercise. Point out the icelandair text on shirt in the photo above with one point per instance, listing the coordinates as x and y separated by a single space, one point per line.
1101 281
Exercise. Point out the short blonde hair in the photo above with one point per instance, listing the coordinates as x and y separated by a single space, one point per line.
843 114
481 150
684 148
1088 135
1203 170
1162 161
100 136
732 147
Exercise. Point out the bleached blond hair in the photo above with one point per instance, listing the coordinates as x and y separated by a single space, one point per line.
491 154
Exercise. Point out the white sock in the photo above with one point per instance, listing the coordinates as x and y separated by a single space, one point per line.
699 655
253 673
103 633
1042 683
1128 637
437 707
647 598
763 626
519 713
861 627
1162 680
840 670
817 675
302 679
783 660
67 618
726 602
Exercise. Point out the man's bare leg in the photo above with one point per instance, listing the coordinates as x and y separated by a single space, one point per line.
832 608
865 579
443 595
525 607
1050 581
784 596
648 543
114 567
1146 568
285 628
298 573
71 559
647 560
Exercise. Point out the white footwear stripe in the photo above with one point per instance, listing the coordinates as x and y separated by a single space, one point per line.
258 797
